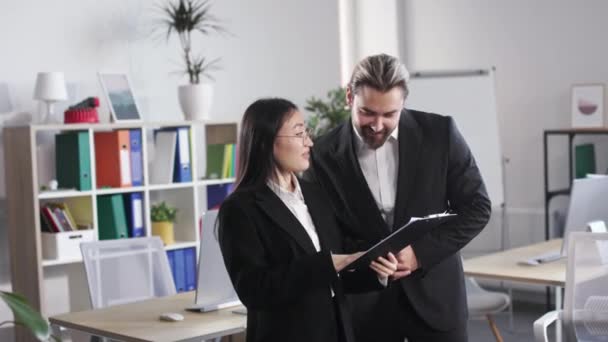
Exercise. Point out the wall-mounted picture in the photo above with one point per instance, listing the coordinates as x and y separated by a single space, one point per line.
119 94
587 105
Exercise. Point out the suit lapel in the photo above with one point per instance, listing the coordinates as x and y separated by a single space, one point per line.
356 188
410 139
272 205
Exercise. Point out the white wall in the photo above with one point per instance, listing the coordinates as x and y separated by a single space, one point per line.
277 48
540 49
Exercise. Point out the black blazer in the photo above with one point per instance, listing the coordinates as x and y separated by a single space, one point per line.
277 273
436 172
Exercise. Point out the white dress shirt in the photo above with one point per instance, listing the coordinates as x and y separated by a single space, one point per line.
380 167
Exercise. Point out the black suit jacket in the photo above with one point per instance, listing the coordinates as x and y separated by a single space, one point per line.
276 271
436 172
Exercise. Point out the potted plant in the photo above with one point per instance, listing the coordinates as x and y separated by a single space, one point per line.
182 19
163 217
327 114
27 317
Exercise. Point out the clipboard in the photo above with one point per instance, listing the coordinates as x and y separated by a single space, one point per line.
397 240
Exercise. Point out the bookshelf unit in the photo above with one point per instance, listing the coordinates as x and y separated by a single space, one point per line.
29 166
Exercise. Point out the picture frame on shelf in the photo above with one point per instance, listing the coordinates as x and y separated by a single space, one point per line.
587 105
119 96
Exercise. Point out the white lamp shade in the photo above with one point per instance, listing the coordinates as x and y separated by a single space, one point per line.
50 86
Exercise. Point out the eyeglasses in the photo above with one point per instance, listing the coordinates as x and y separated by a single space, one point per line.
303 135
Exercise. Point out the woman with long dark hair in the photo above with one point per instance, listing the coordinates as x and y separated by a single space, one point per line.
280 240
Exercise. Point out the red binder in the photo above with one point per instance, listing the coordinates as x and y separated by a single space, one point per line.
112 159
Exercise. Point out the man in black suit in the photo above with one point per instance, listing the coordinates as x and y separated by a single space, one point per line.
383 167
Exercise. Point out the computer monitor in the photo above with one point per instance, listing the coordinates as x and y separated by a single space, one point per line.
214 288
588 202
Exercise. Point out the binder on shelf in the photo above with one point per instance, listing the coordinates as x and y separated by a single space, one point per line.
584 156
134 209
215 161
112 158
137 172
235 160
180 270
182 171
190 265
73 160
111 217
161 171
171 257
217 193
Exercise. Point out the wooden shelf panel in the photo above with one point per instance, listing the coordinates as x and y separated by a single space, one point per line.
111 191
181 244
206 182
170 186
63 194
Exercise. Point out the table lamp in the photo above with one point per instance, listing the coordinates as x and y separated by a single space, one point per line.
50 88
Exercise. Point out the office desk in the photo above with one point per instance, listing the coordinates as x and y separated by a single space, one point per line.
503 265
139 321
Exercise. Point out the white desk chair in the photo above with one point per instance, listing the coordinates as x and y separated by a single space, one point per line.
585 314
126 270
484 303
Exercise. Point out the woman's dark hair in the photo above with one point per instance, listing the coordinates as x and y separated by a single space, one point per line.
260 124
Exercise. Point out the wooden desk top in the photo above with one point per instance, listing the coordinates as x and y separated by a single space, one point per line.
140 321
503 265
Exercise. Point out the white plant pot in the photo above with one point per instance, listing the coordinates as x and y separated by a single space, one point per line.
196 101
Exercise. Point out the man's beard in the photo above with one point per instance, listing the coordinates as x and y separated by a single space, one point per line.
373 139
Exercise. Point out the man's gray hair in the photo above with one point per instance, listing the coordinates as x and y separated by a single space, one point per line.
381 72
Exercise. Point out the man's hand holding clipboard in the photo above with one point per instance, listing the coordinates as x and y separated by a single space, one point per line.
399 239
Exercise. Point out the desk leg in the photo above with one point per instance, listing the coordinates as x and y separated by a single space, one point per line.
558 306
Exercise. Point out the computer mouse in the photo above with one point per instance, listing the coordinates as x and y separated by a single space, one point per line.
171 317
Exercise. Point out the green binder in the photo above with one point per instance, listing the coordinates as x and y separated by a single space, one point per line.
215 161
111 217
584 156
73 160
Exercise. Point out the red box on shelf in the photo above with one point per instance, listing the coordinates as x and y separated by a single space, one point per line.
81 115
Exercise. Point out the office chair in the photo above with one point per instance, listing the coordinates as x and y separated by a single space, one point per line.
585 313
484 303
125 271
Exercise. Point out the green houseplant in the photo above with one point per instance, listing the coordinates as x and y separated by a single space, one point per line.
327 114
182 19
27 317
163 217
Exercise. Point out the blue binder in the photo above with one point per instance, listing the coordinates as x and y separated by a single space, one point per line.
182 171
180 270
190 254
137 173
217 193
134 208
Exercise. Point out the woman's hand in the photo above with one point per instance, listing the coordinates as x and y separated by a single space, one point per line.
341 260
385 267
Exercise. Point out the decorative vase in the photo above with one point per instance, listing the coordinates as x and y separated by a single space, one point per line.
164 230
196 100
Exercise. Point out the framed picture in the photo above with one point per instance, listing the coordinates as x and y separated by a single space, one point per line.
587 105
118 93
